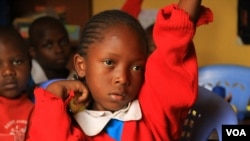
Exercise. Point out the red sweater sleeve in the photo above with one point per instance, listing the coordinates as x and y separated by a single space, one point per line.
171 77
133 7
50 120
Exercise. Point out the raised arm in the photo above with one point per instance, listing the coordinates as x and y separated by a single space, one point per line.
192 7
133 7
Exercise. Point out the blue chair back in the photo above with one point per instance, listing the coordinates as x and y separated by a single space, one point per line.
207 116
236 81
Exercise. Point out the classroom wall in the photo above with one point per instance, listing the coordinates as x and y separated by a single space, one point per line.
216 43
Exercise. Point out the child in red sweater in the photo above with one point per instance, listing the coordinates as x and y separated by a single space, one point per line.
50 49
133 97
15 69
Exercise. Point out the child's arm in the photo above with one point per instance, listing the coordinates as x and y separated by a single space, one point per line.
171 77
192 7
50 120
133 7
62 88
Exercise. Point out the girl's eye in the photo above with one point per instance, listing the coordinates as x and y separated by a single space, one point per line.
137 68
48 45
63 43
17 61
108 62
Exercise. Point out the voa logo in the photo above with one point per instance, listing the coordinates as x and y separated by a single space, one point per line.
236 132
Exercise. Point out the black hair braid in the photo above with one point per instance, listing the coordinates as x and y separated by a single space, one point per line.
92 31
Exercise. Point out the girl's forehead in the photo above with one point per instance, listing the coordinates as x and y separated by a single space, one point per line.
12 47
7 53
117 31
120 40
116 27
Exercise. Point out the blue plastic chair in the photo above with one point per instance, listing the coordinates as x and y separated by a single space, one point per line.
236 81
207 116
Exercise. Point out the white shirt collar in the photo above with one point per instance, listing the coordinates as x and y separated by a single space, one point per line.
37 73
93 122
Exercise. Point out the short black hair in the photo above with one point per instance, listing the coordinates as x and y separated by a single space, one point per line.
41 24
11 34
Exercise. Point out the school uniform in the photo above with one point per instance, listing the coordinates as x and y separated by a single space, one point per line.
169 91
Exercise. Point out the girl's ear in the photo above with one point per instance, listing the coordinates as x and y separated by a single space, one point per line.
80 65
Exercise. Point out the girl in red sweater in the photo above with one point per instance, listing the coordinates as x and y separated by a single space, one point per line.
132 97
15 106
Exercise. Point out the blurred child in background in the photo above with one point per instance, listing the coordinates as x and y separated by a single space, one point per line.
15 66
50 49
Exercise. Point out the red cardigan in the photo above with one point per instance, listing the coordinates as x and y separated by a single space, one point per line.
170 89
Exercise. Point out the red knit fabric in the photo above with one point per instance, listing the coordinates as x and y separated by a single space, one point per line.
170 89
15 114
133 7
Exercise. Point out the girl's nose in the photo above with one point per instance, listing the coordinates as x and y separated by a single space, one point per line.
122 77
58 48
8 71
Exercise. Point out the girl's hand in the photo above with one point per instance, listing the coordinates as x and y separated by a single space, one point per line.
62 88
192 7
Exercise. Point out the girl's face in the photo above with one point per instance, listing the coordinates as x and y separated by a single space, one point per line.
14 69
114 68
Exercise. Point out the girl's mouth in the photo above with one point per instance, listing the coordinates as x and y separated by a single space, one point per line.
117 97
